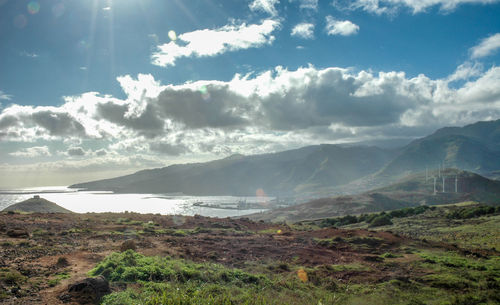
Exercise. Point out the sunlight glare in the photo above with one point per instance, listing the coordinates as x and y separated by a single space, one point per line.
172 35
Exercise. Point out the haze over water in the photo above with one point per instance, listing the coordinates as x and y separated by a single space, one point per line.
98 202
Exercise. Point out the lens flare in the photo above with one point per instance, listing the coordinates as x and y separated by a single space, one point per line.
205 95
83 45
262 197
172 35
33 7
58 9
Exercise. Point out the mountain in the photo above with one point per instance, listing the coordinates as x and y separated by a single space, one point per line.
321 170
37 205
411 191
280 174
474 147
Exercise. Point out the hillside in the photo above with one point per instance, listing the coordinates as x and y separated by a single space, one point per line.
473 147
37 205
154 259
411 191
280 174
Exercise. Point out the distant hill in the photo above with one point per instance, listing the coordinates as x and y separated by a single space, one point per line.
321 170
278 174
411 191
37 205
474 148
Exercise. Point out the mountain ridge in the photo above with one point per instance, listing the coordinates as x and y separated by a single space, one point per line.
320 170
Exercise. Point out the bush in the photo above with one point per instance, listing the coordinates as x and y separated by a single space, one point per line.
471 212
130 266
381 220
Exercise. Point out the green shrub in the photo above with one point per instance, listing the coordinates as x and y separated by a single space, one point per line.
11 277
130 266
381 220
471 212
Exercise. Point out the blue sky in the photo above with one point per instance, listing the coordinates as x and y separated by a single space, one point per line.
102 87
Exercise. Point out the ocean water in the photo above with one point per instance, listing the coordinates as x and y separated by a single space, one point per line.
86 201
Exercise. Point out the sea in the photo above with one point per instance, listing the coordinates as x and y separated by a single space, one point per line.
82 201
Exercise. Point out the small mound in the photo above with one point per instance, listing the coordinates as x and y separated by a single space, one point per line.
37 205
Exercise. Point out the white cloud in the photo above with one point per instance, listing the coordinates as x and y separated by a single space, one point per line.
32 152
101 152
203 43
340 27
74 170
416 6
303 30
28 54
466 71
4 96
276 109
268 6
309 4
487 47
76 151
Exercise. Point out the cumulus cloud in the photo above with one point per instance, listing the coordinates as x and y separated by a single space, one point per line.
166 148
204 105
276 109
303 30
76 151
268 6
101 152
340 27
46 122
416 6
32 152
203 43
488 46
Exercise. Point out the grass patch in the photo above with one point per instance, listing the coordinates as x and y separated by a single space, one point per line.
58 277
350 267
11 277
130 266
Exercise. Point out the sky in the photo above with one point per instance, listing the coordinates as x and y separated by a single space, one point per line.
93 89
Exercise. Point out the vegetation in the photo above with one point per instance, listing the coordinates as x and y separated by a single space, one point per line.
472 212
449 278
198 260
130 266
374 219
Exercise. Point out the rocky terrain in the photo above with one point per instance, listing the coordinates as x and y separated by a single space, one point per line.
46 258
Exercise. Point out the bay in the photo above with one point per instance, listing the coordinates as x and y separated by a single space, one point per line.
81 201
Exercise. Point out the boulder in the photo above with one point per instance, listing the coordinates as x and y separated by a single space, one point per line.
87 291
18 233
128 245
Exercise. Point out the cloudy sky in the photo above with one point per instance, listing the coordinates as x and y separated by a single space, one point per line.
99 88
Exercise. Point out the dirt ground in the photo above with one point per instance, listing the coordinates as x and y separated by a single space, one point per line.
85 239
